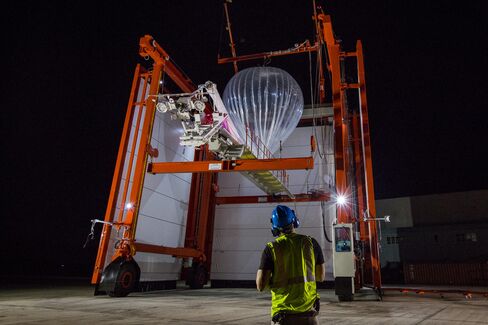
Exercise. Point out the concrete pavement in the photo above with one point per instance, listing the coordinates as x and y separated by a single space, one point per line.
77 305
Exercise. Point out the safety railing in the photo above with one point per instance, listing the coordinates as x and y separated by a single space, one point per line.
260 151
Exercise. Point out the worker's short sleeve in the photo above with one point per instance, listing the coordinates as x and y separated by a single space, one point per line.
266 259
317 250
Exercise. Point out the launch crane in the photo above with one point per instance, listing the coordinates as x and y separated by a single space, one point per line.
205 123
217 150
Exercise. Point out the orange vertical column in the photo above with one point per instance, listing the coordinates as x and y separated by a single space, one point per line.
210 222
319 42
358 161
368 166
340 128
114 190
204 210
191 220
128 172
201 212
142 155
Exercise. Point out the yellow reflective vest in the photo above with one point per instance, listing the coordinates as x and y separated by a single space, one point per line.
292 284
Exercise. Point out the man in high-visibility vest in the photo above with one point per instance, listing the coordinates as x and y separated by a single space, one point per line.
290 266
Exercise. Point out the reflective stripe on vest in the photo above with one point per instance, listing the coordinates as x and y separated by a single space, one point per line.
292 283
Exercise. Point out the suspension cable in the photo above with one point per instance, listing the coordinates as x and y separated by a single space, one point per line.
312 98
220 32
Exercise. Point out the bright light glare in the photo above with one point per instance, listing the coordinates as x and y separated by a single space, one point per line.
128 206
341 200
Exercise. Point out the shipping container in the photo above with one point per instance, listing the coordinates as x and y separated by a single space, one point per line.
472 274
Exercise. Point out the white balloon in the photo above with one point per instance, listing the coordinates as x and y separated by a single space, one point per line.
267 100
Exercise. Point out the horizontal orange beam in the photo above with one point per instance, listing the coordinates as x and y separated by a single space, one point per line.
350 85
304 49
242 165
173 251
348 54
271 198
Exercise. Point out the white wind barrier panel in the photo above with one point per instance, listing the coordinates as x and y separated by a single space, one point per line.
242 230
164 202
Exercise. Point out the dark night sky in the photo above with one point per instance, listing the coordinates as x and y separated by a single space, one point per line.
68 70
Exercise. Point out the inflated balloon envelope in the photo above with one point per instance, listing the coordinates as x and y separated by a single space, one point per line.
266 100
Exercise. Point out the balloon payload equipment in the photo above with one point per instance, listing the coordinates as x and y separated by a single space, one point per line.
217 130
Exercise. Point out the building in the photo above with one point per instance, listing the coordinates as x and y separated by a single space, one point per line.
436 234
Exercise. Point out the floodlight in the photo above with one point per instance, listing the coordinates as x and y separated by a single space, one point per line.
341 200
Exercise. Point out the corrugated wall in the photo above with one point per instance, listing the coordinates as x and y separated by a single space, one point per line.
242 231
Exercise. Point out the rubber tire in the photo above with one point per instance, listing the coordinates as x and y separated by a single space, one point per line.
345 297
198 277
126 282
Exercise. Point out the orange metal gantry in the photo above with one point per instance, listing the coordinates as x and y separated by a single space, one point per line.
120 275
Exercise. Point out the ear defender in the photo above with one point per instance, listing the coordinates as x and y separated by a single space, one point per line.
274 230
296 223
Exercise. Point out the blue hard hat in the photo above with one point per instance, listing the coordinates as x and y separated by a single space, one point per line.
282 217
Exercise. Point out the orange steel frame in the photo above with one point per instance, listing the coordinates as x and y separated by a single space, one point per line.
271 199
140 75
127 247
238 165
363 161
362 175
199 228
364 186
202 199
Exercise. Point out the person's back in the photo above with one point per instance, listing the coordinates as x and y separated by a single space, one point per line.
292 282
290 265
